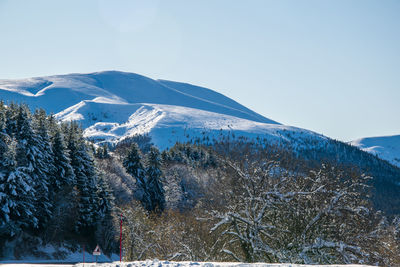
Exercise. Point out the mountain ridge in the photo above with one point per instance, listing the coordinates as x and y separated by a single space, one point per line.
79 96
114 85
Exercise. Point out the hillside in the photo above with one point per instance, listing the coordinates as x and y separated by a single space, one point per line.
385 147
168 124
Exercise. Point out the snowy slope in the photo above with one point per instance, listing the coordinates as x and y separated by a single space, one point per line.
56 93
114 105
168 124
385 147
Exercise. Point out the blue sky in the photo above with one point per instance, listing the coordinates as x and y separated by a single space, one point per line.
328 66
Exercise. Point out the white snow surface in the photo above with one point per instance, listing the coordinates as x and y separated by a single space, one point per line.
157 263
114 105
385 147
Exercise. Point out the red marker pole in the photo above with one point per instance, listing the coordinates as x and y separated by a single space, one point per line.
120 240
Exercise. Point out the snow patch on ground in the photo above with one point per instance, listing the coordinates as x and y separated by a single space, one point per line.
57 254
203 264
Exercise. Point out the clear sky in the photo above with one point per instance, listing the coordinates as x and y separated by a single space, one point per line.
331 66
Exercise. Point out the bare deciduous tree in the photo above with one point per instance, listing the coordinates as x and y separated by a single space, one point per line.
319 217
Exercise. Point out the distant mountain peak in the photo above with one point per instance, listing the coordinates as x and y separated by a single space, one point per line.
113 105
124 87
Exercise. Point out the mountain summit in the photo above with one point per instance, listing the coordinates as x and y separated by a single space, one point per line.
113 105
119 88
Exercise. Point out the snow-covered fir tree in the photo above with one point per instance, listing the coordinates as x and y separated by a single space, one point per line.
133 165
105 232
3 118
102 152
34 154
133 162
148 177
3 135
156 201
105 197
11 122
85 175
42 128
64 173
17 195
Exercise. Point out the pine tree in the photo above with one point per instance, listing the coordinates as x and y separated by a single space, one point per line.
42 128
105 232
35 155
133 165
64 191
17 196
53 125
84 170
11 123
3 117
154 183
148 180
64 173
105 197
3 135
102 152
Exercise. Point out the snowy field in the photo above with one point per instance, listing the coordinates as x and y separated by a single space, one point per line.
154 263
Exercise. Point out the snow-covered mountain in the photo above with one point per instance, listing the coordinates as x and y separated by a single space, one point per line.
385 147
114 105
